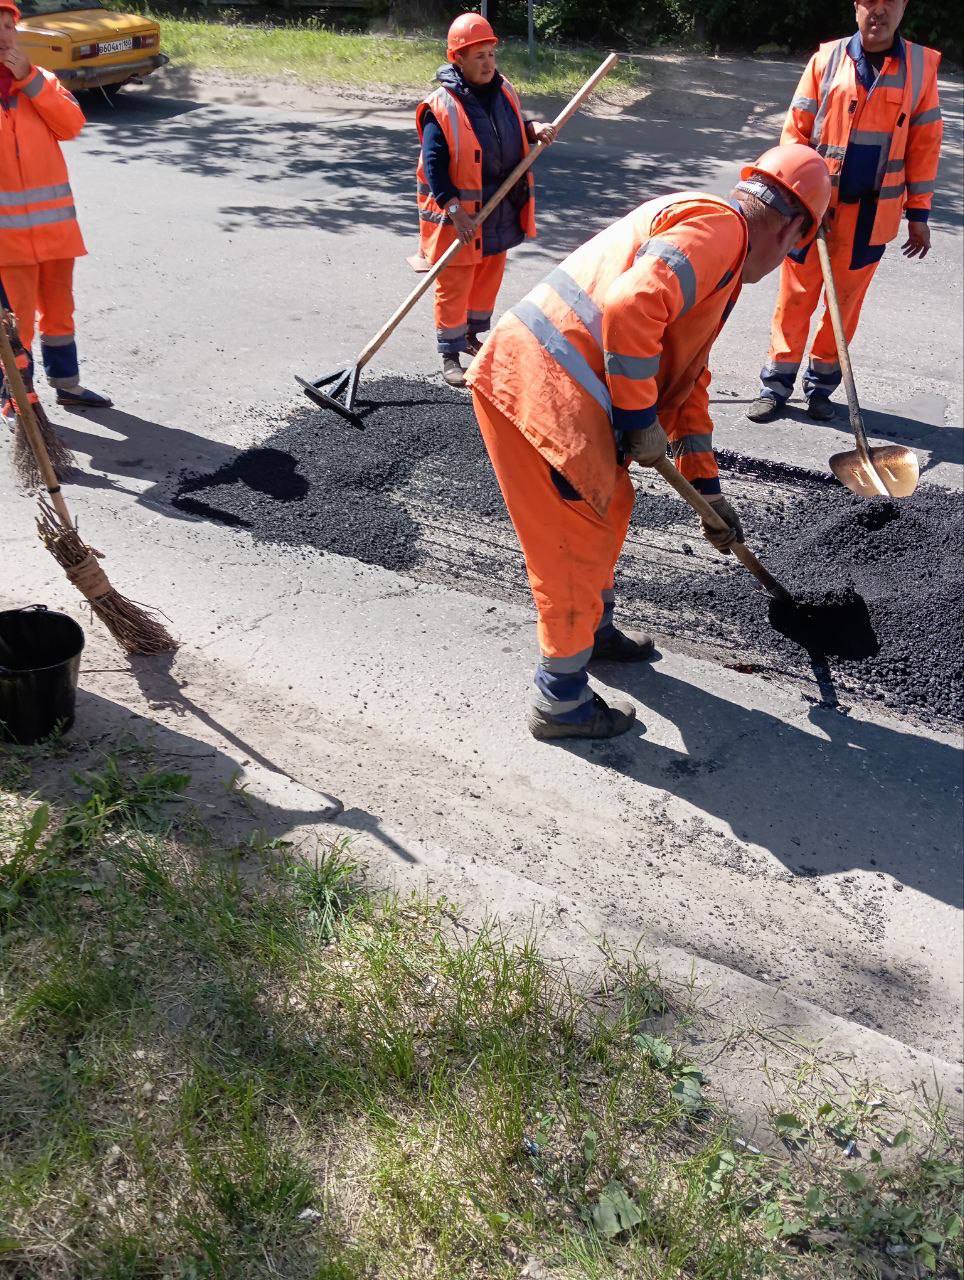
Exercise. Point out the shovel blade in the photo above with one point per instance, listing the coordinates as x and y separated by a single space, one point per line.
895 472
325 401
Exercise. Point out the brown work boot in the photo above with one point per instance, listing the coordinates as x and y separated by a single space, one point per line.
765 409
452 371
604 721
473 344
622 646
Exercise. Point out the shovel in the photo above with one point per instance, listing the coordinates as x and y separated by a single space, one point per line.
890 470
342 384
705 511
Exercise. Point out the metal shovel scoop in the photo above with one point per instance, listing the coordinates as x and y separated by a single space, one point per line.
889 470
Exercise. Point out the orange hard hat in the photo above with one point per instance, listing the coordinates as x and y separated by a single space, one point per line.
469 28
799 170
10 7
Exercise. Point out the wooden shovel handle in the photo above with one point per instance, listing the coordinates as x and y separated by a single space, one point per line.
708 515
524 165
28 420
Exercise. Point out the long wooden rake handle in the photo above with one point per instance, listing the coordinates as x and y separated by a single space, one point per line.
846 368
524 165
706 513
28 421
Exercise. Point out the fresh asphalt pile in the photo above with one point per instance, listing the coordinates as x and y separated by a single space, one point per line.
881 592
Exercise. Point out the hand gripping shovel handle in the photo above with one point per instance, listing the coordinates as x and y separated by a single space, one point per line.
28 421
706 513
846 369
526 163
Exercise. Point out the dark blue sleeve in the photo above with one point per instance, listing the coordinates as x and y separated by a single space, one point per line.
435 158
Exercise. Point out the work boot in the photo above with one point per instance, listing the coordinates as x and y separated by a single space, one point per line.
603 721
765 409
78 397
452 371
622 646
820 409
473 344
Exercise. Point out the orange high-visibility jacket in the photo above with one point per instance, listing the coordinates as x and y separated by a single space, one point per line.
618 334
38 221
901 114
435 229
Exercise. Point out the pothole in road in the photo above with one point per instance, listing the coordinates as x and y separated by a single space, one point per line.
879 583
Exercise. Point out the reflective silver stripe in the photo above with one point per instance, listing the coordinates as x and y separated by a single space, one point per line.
427 215
804 104
34 195
556 707
480 316
459 331
780 366
829 71
41 218
894 166
824 366
566 666
920 188
691 444
56 340
452 111
830 151
636 367
35 84
926 117
562 351
895 81
870 137
423 188
916 72
891 193
577 300
470 195
678 263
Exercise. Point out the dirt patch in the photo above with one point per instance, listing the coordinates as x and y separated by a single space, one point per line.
879 583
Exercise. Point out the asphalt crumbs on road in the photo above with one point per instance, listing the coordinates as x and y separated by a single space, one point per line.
879 583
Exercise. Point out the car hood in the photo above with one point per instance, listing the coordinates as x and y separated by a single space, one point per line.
87 25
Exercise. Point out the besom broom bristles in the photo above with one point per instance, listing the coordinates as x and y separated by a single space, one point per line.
24 462
134 627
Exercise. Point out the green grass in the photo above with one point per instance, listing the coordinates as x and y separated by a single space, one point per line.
234 1062
313 55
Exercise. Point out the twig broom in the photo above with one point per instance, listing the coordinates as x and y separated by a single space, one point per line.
132 626
24 462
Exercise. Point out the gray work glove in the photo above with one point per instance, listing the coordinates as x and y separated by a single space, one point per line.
734 533
646 446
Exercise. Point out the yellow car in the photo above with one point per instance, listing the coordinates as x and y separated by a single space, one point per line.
87 46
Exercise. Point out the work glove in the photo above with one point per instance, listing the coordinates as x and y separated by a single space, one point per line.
646 446
734 532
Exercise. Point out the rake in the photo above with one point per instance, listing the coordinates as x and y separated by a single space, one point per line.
337 390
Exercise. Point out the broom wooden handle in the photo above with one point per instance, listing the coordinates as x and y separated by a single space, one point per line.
28 421
713 518
524 165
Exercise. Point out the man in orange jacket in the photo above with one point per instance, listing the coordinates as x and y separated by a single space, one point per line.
599 365
39 235
868 104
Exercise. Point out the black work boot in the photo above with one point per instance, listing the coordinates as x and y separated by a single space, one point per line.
819 408
765 409
473 344
452 371
78 397
604 721
622 646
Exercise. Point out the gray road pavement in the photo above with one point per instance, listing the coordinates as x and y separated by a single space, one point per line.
805 865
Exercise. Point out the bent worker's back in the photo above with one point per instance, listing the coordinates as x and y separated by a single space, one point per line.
617 333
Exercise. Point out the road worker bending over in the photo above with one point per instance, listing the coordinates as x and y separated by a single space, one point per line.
603 361
473 133
39 235
868 104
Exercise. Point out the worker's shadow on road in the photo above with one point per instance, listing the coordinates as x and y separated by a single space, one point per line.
842 795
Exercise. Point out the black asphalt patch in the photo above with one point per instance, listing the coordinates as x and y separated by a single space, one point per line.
879 584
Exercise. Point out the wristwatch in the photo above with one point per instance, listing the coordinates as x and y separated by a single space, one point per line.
452 209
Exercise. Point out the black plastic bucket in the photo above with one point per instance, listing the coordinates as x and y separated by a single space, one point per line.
39 664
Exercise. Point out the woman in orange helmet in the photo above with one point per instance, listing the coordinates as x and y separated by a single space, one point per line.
473 133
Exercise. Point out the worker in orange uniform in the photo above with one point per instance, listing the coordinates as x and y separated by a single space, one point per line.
39 235
868 104
473 133
599 365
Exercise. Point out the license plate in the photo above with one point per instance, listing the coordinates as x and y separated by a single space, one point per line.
117 46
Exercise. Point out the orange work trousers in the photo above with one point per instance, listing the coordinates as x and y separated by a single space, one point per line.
464 301
801 284
46 290
570 554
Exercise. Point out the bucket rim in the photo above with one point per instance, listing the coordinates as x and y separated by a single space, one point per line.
41 609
